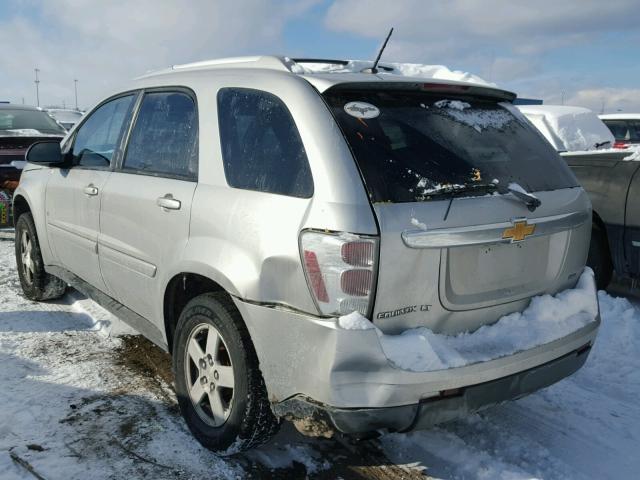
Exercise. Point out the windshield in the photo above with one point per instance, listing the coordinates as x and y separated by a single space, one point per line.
18 119
414 146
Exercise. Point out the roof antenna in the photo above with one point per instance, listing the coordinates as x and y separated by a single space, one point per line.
374 69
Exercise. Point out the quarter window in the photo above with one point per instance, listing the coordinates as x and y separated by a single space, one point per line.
98 137
261 146
164 138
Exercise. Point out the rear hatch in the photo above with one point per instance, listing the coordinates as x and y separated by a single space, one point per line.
450 178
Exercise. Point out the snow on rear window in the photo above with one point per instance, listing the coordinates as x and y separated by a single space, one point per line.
476 118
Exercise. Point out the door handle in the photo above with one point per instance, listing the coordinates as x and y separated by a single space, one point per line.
91 190
168 202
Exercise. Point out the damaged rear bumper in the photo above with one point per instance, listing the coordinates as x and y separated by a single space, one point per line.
448 406
314 368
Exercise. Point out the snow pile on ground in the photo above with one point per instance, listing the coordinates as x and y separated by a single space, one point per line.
547 318
569 129
439 72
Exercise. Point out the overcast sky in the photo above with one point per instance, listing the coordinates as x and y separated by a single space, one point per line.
585 52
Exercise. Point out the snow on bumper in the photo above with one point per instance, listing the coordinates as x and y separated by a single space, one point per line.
547 318
359 367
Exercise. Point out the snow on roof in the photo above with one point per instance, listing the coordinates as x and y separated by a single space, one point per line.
569 129
403 69
620 116
415 70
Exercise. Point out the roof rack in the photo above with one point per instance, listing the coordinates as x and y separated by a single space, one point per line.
264 61
321 60
273 62
330 61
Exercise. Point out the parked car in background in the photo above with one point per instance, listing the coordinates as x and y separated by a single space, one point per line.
65 117
20 126
569 129
625 127
609 176
277 230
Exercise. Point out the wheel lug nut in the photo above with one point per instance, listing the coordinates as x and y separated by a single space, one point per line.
202 363
203 380
215 374
212 386
210 360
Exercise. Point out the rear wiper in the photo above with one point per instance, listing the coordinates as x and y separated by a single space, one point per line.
531 201
602 144
455 191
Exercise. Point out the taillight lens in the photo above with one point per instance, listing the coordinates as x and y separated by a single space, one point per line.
620 145
340 271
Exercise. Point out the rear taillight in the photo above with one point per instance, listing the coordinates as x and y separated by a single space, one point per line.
340 271
620 145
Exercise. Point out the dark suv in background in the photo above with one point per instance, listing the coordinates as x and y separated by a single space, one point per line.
20 126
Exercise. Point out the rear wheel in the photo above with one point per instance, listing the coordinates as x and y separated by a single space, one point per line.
599 258
220 389
36 283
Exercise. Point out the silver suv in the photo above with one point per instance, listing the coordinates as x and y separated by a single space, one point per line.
279 231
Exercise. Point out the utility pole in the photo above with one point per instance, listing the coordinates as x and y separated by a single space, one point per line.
75 86
37 86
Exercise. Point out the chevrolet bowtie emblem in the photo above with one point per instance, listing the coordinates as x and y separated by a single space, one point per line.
519 231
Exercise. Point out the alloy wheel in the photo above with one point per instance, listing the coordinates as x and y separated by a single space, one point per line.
26 257
209 375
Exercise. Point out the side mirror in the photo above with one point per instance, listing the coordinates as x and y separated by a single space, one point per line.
45 153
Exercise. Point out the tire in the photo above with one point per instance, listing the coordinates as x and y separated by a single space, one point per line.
599 258
36 283
224 420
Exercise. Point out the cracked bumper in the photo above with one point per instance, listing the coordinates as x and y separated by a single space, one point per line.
345 373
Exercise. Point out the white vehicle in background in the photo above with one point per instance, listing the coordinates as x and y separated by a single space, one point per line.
65 117
625 127
609 176
569 129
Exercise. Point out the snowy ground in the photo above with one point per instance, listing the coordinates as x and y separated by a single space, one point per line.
78 401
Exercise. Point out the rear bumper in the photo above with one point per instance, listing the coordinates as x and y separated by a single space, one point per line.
311 366
443 408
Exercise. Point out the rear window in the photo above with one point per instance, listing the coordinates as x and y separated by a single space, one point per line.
414 146
624 130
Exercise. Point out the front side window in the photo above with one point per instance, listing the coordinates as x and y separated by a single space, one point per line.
99 136
261 147
164 138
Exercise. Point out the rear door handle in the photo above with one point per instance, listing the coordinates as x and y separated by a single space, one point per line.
168 202
91 190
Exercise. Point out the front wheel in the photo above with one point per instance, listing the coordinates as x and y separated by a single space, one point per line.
220 389
36 283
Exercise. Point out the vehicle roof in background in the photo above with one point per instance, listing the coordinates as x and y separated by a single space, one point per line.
13 106
568 128
620 116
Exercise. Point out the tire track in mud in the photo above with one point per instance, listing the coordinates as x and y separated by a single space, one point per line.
346 458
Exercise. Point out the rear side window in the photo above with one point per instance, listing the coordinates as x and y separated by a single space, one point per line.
98 137
164 138
261 146
417 146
